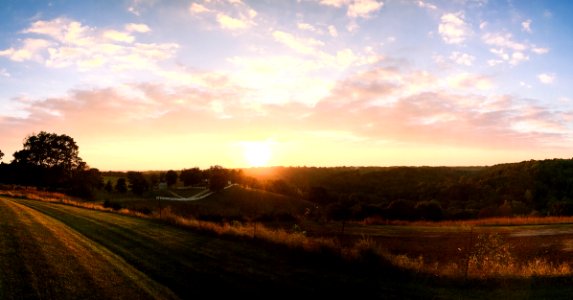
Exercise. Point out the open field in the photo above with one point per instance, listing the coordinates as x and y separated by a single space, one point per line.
152 260
58 251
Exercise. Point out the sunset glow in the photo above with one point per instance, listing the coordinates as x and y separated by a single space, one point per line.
257 154
142 84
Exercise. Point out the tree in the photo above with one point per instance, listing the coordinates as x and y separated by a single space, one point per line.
49 150
191 176
121 185
1 155
85 182
171 178
48 159
108 186
137 183
218 178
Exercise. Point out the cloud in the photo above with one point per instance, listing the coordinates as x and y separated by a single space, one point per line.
427 5
4 73
462 58
526 26
363 8
198 8
229 15
30 50
503 41
356 8
469 81
68 43
332 31
540 50
385 105
228 22
301 45
508 50
305 26
137 27
546 78
453 28
118 36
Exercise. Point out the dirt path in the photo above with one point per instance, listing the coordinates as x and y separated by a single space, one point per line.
41 258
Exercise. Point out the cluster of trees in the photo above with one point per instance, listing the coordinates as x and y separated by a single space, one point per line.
432 193
51 161
215 178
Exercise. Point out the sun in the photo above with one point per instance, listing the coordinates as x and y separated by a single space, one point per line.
257 154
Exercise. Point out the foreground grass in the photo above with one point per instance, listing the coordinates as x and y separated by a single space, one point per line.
193 263
40 258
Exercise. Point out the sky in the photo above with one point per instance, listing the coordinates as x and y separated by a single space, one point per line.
157 85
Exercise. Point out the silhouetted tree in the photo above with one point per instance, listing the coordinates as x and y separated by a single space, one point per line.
137 183
429 210
1 155
49 150
48 159
154 179
108 186
339 212
121 185
318 195
218 178
191 176
171 178
84 183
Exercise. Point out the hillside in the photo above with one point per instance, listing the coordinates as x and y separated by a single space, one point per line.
52 251
526 188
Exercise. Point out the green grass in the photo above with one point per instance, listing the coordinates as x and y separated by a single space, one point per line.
192 264
42 258
36 237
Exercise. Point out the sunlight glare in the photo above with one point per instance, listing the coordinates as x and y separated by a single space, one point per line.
257 154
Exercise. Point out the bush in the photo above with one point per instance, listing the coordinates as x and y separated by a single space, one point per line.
111 204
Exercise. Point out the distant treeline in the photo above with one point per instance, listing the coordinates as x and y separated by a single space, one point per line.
434 193
51 161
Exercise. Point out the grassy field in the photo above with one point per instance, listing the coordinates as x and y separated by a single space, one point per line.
78 249
55 251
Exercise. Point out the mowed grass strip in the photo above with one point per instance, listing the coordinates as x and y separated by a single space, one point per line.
196 264
41 258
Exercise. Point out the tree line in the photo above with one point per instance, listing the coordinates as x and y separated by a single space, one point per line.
51 161
433 193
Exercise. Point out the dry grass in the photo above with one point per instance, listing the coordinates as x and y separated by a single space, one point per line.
489 258
497 221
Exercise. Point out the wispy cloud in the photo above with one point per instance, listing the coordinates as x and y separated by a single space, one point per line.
427 5
507 49
453 28
229 15
462 58
356 8
526 26
65 43
546 78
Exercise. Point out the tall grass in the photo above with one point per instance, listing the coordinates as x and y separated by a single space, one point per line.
495 221
489 257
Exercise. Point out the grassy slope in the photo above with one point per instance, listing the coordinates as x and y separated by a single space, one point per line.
192 264
42 258
235 203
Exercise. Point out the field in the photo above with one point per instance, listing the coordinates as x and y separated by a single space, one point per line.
56 251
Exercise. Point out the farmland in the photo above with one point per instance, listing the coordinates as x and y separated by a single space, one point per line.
59 251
